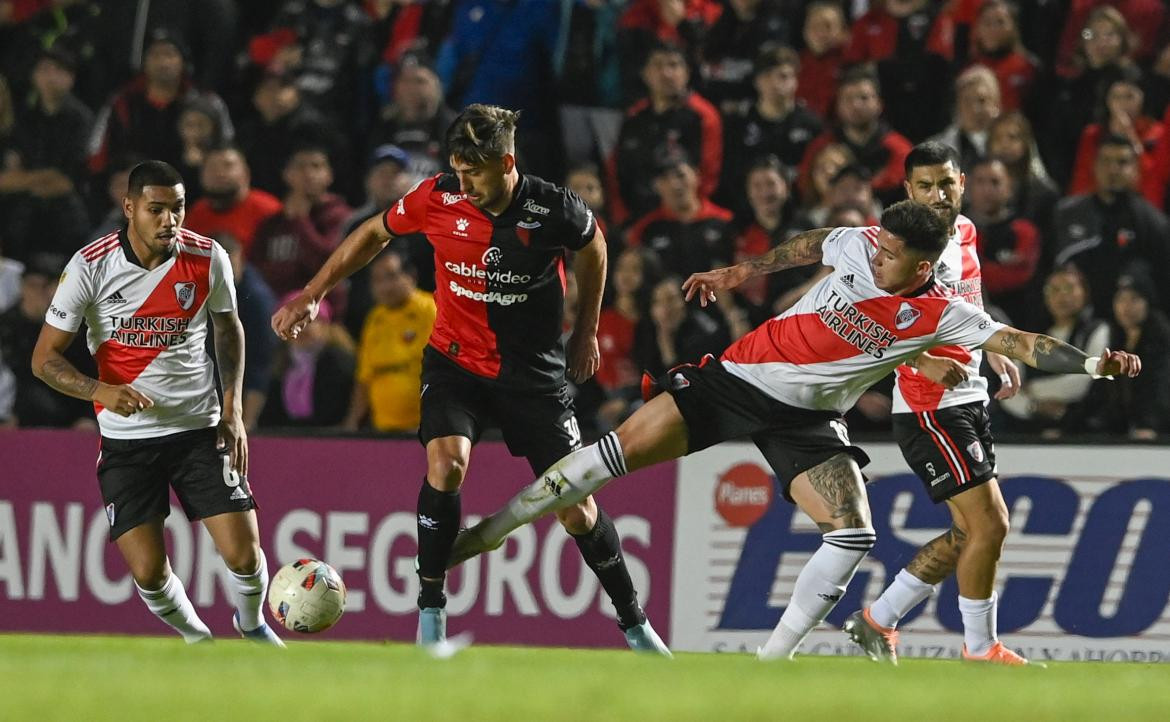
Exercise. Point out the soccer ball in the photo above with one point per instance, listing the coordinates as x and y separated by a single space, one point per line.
307 596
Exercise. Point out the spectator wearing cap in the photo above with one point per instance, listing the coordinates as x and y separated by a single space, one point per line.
35 404
256 304
1008 244
1113 229
729 48
143 117
314 377
672 118
861 130
416 118
292 245
1138 407
45 184
230 204
977 105
776 124
825 35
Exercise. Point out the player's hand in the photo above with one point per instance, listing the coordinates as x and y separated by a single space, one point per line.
1118 363
1008 372
944 371
584 356
705 284
292 318
234 438
122 399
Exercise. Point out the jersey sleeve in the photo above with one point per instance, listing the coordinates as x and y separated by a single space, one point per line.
845 241
222 297
409 214
579 223
964 324
73 297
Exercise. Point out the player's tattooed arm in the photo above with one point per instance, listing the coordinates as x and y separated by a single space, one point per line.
802 249
1055 356
839 485
50 365
936 560
62 376
229 356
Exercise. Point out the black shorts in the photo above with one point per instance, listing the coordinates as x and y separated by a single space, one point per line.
538 425
135 474
718 406
951 449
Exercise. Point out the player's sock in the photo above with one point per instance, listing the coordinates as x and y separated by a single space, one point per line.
818 588
249 591
978 624
565 483
170 604
602 550
903 594
438 523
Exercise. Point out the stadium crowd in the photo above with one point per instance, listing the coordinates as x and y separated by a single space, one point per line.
700 132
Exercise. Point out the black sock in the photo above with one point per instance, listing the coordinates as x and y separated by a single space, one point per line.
602 550
438 523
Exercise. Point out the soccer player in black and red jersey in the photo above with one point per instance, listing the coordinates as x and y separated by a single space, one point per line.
494 357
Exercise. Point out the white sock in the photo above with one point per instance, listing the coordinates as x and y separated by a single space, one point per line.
978 623
170 604
818 588
249 592
565 483
903 594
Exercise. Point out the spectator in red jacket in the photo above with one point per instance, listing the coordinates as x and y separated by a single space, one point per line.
1124 118
290 246
230 204
996 44
825 36
860 129
1008 244
672 118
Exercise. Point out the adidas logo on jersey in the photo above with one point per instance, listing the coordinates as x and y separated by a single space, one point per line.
115 297
847 279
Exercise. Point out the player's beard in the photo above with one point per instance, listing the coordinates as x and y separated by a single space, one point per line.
950 214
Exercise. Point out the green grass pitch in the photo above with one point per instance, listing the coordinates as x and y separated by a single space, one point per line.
123 678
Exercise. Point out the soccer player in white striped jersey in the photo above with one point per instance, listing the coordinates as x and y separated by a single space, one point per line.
786 384
147 293
944 432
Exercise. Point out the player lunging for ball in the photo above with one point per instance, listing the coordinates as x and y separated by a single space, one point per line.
146 293
786 384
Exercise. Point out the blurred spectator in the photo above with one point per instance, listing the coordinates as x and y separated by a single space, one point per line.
1113 230
1156 85
389 358
314 376
1139 407
291 246
256 304
585 181
910 42
673 332
416 118
688 232
143 117
976 108
860 128
1123 117
281 123
774 125
500 52
229 203
36 404
1145 17
996 44
1045 398
1035 194
113 216
647 24
635 273
1106 46
671 118
405 26
729 51
1008 245
199 131
826 35
814 186
70 26
10 272
46 211
588 70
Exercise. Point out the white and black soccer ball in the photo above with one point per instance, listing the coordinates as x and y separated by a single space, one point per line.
307 596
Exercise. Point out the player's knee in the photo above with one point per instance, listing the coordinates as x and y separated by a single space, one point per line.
447 472
243 561
578 519
150 577
991 525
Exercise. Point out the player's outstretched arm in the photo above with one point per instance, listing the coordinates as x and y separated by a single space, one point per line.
1055 356
50 365
802 249
229 356
359 248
